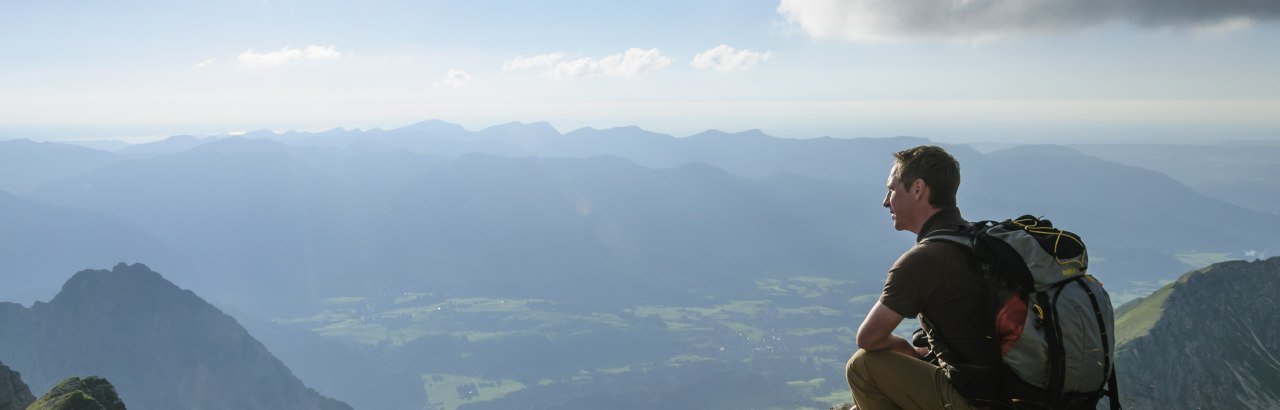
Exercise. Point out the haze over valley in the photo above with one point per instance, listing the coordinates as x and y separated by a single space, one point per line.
431 265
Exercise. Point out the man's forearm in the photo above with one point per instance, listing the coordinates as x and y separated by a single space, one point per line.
891 342
876 332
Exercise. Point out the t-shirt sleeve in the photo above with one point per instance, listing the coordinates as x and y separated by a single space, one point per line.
909 283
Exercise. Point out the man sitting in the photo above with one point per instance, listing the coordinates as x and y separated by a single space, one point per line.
937 282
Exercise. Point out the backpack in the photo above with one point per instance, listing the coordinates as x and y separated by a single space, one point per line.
1053 321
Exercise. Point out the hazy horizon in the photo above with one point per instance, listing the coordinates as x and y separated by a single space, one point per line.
985 72
88 136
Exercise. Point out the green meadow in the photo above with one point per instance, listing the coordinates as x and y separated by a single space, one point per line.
794 327
447 391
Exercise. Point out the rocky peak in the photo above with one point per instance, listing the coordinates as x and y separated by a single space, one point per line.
121 293
163 347
14 394
1206 340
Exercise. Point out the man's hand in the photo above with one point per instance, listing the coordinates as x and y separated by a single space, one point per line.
876 332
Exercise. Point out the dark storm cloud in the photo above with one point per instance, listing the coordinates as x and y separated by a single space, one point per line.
870 20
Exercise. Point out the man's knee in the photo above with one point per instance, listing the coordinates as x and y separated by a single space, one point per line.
856 369
862 366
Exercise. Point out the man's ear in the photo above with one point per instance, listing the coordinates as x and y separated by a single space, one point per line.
919 189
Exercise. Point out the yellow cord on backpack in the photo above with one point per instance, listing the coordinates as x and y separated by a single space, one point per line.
1031 225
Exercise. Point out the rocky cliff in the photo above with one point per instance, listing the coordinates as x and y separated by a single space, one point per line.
14 394
163 347
1209 340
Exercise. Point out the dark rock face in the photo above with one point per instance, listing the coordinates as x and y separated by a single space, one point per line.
1210 341
90 393
161 346
14 394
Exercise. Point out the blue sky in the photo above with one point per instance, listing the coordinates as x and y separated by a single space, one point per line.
949 70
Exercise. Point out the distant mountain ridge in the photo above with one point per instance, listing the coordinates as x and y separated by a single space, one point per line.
1240 173
1208 340
281 208
161 346
171 145
25 164
292 204
750 153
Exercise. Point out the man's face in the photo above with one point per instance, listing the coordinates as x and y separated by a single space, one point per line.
900 202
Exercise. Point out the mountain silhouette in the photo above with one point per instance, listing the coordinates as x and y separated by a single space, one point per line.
1207 340
161 346
25 164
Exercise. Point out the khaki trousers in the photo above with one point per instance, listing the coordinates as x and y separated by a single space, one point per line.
885 379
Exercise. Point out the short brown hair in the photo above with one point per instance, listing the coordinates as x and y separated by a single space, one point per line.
939 170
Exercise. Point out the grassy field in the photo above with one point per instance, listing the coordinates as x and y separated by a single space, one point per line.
799 331
401 318
799 323
1138 319
409 316
448 392
802 286
736 316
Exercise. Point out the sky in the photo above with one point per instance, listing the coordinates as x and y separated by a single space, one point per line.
1007 71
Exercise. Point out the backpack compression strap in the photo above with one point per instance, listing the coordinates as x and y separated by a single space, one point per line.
1053 335
1112 393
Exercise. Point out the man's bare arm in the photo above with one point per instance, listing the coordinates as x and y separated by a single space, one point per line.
876 332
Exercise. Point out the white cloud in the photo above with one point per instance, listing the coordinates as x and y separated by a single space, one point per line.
203 64
314 52
455 78
544 61
889 20
725 59
250 59
623 65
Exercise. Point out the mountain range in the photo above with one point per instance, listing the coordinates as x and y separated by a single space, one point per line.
1239 173
517 266
305 213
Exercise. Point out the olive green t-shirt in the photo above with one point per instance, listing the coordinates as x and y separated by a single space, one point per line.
939 283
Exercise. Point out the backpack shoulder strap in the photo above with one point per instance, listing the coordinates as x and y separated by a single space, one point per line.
1113 392
946 235
961 235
